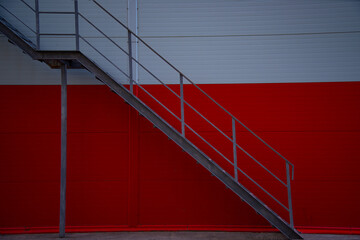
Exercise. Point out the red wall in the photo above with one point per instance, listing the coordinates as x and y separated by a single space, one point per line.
125 175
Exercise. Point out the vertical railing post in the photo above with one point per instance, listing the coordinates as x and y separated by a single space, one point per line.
130 61
63 150
182 105
288 179
76 8
234 149
37 20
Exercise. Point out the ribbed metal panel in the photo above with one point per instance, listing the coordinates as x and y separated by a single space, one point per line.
231 17
316 58
252 41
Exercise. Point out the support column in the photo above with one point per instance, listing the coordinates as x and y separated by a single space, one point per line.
134 121
63 150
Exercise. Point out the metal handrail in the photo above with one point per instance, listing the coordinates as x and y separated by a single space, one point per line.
7 10
188 104
181 97
124 51
181 75
219 130
232 116
190 81
167 62
26 4
257 184
103 56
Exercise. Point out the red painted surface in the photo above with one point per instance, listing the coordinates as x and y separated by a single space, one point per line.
125 175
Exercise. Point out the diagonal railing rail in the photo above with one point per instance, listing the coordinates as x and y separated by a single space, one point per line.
184 125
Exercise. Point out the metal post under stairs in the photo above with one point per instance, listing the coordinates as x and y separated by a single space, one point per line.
63 150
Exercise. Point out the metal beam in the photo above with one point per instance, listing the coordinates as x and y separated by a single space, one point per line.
63 150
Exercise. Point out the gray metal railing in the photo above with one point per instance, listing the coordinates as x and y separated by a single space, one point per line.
183 102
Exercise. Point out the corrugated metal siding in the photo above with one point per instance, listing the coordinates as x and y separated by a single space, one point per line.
214 41
159 187
252 41
230 17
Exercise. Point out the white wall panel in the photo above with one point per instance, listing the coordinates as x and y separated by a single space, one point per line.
233 17
213 41
232 41
305 58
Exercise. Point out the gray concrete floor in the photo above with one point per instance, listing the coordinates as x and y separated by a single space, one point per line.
176 236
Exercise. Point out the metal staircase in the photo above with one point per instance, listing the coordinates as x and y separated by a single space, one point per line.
78 58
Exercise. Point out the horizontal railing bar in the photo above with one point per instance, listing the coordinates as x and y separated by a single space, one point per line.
131 79
104 56
264 142
192 82
106 36
162 58
28 5
222 154
154 76
249 155
207 120
186 101
211 122
46 12
262 189
17 18
157 100
197 134
237 167
135 60
172 112
207 95
162 84
138 37
113 17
